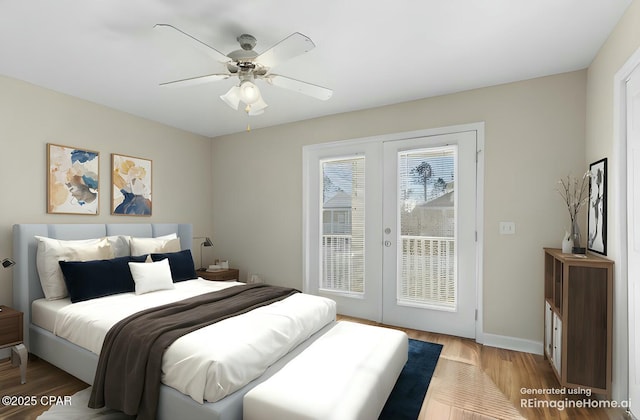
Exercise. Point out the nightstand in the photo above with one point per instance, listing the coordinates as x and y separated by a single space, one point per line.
11 329
221 275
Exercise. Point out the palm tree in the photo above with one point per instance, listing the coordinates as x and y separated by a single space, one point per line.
422 173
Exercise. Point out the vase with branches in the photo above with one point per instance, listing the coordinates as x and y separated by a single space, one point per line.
575 193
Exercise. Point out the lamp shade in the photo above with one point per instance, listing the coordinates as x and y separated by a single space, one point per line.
232 97
207 242
249 92
258 107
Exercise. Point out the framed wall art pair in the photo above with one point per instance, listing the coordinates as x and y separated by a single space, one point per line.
73 182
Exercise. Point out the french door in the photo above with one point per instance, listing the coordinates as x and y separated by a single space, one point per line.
343 220
389 229
429 262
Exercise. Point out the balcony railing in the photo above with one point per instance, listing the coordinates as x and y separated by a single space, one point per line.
426 272
341 269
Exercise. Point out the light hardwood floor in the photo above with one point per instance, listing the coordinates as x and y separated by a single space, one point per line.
470 382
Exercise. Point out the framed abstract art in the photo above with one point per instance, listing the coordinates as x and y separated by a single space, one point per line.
597 239
72 180
131 186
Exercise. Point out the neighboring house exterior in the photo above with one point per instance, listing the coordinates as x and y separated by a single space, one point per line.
433 218
336 215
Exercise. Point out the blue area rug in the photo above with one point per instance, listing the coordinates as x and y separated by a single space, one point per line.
407 395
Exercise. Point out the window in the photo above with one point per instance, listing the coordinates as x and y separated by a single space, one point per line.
427 206
342 247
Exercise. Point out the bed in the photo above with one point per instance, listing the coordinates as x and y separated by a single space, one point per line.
80 362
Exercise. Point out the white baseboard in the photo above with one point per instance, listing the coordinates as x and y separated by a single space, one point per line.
513 343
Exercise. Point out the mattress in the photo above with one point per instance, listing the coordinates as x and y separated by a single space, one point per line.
209 363
44 312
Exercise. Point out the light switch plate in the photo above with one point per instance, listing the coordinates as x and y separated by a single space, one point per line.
507 228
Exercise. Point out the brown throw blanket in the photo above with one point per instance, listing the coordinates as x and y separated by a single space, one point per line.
129 369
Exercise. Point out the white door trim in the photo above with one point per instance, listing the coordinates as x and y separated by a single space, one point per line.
307 151
619 193
480 337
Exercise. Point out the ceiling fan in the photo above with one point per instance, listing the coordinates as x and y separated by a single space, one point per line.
248 66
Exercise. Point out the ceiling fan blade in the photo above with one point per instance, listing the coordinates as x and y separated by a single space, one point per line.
315 91
292 46
195 80
208 49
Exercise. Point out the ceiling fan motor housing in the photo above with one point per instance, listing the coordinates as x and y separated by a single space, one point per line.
247 42
246 55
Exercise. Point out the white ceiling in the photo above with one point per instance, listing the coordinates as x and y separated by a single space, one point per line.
371 53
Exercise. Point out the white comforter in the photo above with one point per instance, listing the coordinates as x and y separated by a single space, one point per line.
214 361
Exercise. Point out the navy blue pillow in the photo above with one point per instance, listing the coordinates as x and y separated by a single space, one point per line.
92 279
181 264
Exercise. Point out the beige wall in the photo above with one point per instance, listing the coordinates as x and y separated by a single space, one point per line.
600 142
31 117
534 135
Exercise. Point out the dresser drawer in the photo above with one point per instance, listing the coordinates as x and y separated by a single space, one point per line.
10 326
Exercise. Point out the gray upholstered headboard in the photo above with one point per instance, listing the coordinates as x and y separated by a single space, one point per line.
26 283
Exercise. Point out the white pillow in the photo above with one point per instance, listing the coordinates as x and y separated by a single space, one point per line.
120 245
158 245
150 277
50 251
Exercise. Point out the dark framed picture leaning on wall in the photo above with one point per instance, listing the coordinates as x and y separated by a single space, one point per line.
597 215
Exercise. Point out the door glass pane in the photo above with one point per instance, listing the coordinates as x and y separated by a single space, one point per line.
342 248
427 214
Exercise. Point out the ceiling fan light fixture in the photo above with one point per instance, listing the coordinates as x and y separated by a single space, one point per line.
232 97
249 92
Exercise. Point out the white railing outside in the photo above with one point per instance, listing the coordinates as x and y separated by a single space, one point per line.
427 273
340 270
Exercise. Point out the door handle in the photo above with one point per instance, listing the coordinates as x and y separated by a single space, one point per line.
387 243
